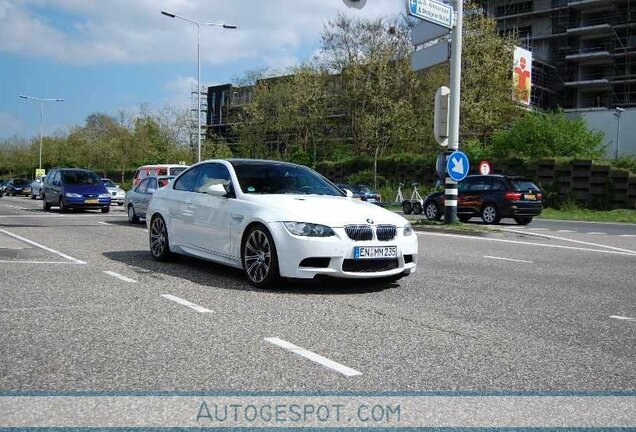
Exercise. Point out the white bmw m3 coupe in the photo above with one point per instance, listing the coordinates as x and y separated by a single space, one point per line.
275 219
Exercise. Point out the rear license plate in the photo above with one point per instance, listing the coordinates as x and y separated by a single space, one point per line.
91 201
531 197
371 252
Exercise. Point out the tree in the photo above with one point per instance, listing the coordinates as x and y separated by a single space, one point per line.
486 93
538 135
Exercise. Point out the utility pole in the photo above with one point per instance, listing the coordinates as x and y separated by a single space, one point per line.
450 193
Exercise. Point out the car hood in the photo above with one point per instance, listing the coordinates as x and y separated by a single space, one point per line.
85 189
326 210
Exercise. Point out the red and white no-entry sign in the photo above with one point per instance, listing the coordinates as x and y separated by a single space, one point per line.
485 167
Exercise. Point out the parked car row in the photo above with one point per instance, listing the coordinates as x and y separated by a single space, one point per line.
278 220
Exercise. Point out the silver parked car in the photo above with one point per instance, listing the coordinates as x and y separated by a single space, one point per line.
117 194
138 198
36 187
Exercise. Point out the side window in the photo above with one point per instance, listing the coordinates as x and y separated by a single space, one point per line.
212 174
187 179
143 186
57 179
480 184
136 174
466 185
498 185
162 172
50 177
152 184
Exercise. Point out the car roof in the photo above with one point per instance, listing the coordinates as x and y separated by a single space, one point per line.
163 166
240 161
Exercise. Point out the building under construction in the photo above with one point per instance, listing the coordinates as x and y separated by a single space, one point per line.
582 49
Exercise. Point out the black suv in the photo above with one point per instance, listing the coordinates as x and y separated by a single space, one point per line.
491 197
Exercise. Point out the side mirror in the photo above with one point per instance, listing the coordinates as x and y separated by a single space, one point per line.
348 192
217 190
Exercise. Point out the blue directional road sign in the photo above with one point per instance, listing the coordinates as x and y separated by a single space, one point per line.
457 166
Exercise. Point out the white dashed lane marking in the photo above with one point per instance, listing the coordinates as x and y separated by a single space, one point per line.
119 276
31 242
508 259
622 318
186 303
316 358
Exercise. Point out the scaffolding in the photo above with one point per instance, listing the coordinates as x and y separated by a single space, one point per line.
197 113
582 49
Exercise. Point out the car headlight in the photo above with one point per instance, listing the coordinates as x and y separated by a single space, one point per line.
308 229
72 195
104 195
408 230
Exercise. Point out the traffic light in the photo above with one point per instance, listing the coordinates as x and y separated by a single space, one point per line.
440 122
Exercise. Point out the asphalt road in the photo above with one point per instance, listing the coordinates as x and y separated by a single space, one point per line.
542 310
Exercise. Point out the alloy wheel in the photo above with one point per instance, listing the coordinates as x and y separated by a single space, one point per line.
489 214
158 238
258 256
431 211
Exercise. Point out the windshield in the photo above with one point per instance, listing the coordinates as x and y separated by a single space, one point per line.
281 178
80 178
523 185
21 182
109 183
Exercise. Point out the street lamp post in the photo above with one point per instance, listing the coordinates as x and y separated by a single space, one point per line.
198 24
41 100
617 114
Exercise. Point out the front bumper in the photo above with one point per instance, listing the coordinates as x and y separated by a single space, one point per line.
87 203
292 250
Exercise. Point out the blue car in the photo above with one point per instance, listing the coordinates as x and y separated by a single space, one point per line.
74 188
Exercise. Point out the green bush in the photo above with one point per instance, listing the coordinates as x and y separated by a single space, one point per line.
366 177
539 135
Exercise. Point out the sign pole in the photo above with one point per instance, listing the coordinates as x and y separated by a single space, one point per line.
450 205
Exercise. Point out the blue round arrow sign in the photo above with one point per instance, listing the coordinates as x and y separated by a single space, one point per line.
457 166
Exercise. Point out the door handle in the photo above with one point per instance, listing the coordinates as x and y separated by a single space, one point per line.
237 217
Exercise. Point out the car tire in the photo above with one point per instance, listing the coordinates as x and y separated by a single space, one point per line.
490 214
407 207
463 219
106 209
45 204
523 220
63 208
432 211
260 260
159 241
132 216
417 207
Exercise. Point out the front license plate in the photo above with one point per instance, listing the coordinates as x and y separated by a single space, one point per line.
371 252
91 201
531 197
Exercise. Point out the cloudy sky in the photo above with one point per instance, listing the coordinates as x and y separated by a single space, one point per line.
107 55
